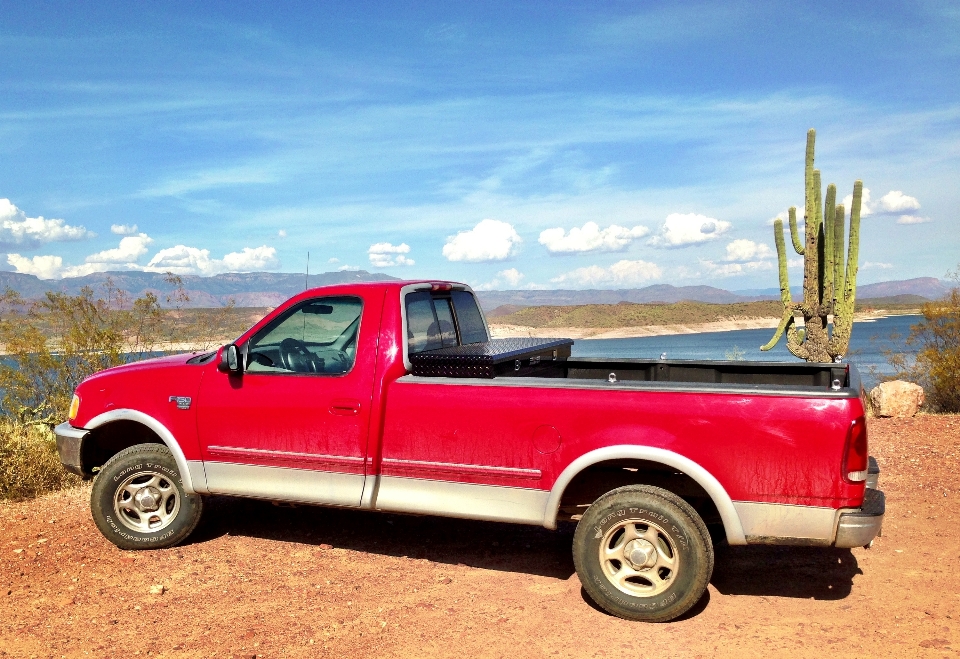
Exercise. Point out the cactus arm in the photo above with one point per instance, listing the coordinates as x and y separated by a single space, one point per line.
811 257
785 298
826 266
794 234
843 315
838 276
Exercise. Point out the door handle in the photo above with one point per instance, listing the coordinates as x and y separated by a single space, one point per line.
345 407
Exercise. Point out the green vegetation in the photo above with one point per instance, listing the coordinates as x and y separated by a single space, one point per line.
29 465
937 364
53 343
828 288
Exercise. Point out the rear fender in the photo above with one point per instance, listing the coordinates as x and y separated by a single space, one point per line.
706 480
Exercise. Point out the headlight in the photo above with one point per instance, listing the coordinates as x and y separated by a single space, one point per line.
74 407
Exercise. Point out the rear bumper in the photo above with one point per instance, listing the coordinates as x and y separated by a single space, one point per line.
860 527
69 445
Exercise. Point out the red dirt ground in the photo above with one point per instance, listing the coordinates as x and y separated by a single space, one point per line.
258 580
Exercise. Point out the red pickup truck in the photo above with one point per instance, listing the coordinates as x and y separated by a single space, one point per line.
391 396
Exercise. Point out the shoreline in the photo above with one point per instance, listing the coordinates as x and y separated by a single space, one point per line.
504 331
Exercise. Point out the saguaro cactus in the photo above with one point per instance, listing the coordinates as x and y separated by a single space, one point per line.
828 287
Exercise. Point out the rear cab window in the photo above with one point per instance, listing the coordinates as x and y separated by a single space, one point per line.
442 320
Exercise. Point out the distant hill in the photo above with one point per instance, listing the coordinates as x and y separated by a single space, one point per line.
252 289
268 289
657 293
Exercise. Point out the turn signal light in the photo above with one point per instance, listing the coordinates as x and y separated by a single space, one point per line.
855 457
74 408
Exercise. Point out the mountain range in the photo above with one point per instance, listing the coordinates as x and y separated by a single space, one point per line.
268 289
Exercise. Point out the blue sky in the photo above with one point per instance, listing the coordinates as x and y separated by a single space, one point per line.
508 145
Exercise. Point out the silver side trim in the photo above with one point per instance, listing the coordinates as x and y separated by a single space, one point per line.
457 468
198 476
463 500
765 523
725 506
229 452
283 484
165 436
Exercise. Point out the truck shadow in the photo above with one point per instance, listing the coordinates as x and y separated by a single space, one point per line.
801 572
488 545
822 573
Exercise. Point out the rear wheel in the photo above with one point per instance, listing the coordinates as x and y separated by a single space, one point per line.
138 500
643 553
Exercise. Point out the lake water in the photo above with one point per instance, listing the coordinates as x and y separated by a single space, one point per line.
866 345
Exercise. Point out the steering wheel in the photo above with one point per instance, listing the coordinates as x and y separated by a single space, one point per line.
295 356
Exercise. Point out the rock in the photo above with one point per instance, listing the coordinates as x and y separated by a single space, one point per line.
896 398
157 589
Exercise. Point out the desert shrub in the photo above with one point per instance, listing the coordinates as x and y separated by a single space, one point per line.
930 355
938 360
29 464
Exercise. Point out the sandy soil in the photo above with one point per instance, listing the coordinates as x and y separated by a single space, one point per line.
503 331
258 580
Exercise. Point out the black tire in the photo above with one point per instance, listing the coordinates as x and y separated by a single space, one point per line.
138 500
664 549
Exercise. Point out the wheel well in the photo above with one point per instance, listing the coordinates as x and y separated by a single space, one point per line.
109 439
598 479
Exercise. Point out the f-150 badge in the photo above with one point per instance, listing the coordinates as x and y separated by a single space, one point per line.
183 402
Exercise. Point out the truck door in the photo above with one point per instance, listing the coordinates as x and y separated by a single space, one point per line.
293 425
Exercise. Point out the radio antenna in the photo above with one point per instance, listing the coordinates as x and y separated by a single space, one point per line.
306 278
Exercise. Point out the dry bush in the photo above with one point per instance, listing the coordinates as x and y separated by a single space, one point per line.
935 340
29 464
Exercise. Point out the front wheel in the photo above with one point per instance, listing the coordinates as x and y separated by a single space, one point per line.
138 500
643 553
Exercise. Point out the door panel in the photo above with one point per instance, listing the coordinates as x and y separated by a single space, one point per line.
303 403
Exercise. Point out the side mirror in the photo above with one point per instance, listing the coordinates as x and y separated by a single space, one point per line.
230 361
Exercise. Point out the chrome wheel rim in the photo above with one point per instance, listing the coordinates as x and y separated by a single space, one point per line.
639 558
146 502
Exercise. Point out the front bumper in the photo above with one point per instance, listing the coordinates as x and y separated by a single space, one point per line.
858 528
69 445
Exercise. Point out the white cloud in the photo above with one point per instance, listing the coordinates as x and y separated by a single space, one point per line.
131 248
490 240
282 233
252 259
347 268
795 264
735 269
16 229
871 265
44 267
184 260
123 229
682 229
897 202
590 238
385 255
333 259
621 273
505 279
743 250
890 204
912 219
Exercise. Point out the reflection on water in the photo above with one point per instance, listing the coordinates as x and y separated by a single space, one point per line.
866 345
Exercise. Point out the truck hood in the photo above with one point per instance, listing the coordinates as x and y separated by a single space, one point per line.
169 361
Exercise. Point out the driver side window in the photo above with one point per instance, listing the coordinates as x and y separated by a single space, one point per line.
317 336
